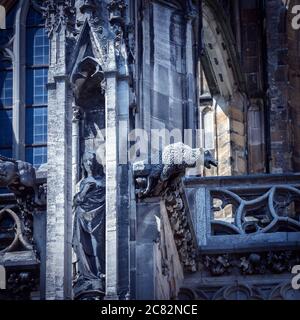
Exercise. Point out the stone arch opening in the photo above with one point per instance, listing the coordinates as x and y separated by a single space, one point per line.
224 93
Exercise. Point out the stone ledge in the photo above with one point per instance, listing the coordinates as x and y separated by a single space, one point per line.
19 259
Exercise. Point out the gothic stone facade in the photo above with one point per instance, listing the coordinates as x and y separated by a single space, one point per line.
92 226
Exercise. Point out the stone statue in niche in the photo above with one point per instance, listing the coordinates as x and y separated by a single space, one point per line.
89 231
88 85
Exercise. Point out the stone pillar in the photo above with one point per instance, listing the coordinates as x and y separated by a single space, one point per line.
59 197
75 147
117 180
111 172
19 72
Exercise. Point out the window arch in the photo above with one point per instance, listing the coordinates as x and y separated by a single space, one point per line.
24 62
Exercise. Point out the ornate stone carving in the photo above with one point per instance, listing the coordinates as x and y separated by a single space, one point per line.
89 231
152 179
77 114
218 265
88 6
95 13
21 284
273 262
15 230
176 209
163 179
56 12
117 10
192 11
271 210
20 178
88 83
16 223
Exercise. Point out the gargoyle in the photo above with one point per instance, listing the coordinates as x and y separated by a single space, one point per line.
20 178
151 179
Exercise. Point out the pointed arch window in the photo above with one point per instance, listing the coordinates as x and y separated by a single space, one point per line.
37 62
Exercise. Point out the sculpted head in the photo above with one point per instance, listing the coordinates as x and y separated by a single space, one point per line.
8 173
90 164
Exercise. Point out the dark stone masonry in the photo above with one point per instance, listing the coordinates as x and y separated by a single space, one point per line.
149 149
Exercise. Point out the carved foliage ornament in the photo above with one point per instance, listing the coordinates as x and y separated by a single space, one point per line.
273 262
117 12
21 284
56 12
176 209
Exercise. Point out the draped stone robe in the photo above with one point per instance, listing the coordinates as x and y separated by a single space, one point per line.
88 233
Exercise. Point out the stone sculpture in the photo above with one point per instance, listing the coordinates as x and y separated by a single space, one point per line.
89 231
20 178
174 160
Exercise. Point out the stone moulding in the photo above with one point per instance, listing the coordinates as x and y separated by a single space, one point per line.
280 289
250 263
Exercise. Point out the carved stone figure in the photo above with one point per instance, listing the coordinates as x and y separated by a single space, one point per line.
175 159
89 230
88 83
20 178
218 265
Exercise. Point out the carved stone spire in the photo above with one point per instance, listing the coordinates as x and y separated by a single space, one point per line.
60 12
117 11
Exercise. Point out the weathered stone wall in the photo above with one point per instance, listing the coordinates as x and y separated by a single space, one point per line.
262 130
277 68
227 91
294 84
167 95
159 272
249 37
168 269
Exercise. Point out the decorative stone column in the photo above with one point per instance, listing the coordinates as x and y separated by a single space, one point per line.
59 202
75 145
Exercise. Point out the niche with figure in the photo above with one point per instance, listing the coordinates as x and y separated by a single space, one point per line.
90 107
89 200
